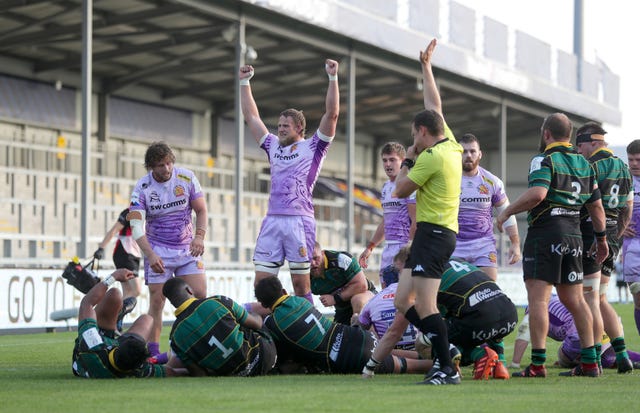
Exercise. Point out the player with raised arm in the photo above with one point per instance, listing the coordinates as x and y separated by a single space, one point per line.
288 231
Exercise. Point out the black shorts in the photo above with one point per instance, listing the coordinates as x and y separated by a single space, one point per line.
122 259
552 256
349 349
431 250
491 320
265 361
608 266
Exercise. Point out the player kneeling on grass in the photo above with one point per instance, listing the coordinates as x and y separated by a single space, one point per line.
97 352
304 335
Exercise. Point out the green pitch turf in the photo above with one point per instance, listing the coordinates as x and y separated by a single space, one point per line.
35 376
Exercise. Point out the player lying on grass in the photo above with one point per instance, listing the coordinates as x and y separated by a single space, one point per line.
98 353
304 335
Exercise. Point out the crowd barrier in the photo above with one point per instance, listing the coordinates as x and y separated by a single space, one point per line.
29 296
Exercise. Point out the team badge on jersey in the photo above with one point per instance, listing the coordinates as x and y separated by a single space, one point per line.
303 252
294 147
493 258
178 190
483 189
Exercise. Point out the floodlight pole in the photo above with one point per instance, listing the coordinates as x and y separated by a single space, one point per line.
87 29
239 127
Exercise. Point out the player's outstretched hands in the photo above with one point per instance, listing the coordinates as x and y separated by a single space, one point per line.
425 56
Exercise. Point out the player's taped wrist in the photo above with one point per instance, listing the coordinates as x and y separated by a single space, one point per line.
370 367
333 78
109 281
245 81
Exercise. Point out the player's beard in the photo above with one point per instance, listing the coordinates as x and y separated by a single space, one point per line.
286 140
469 166
543 145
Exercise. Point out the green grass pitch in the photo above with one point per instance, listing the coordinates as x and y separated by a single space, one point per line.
35 376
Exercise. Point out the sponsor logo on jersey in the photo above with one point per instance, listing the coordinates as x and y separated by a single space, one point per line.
418 268
536 163
480 296
391 204
564 249
388 296
178 190
563 212
575 276
154 197
335 347
476 199
286 157
484 335
168 205
387 315
344 261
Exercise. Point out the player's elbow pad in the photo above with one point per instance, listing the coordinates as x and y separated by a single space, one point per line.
137 228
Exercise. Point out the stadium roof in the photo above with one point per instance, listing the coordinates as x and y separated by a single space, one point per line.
182 53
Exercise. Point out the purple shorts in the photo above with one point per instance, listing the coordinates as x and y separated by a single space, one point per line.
481 252
388 253
285 237
177 262
631 259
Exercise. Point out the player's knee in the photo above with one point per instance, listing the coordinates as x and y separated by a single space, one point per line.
269 267
299 268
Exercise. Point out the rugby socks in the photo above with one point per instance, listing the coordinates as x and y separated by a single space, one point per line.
620 348
588 356
598 348
436 330
498 347
309 297
538 356
162 358
154 348
636 316
413 317
477 353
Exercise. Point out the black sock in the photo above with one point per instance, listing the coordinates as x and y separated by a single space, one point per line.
413 317
436 329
